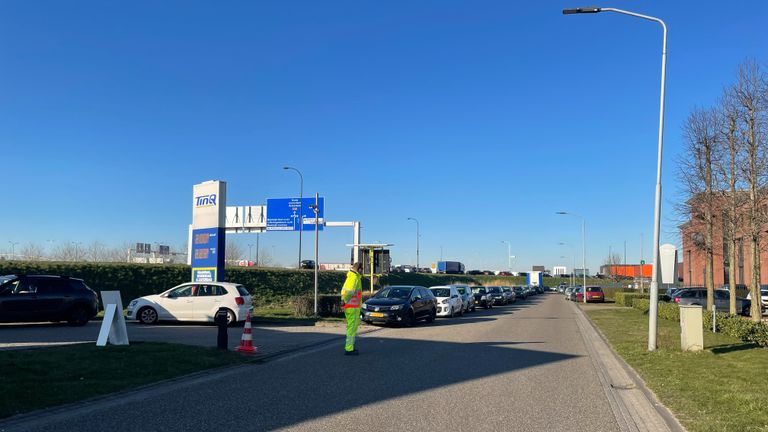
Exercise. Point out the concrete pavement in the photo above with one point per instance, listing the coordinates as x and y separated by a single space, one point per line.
523 367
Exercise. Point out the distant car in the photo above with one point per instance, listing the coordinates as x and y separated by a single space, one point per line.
698 297
520 292
509 294
400 304
497 295
193 301
595 294
576 295
474 272
567 292
482 297
32 298
487 272
449 302
466 295
504 273
307 264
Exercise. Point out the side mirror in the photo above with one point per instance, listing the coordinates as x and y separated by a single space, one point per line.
171 295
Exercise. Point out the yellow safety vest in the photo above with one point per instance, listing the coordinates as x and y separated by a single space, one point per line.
352 291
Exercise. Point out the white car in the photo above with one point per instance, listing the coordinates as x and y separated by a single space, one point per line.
193 301
467 297
449 301
763 296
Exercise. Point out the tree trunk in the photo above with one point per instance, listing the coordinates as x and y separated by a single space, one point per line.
732 274
754 249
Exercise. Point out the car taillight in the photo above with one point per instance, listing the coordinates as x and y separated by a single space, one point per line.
677 300
239 300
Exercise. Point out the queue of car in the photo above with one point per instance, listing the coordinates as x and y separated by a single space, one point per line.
407 304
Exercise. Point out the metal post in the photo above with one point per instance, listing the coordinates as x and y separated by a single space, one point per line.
317 232
714 318
417 242
509 254
301 206
584 256
258 235
370 254
654 310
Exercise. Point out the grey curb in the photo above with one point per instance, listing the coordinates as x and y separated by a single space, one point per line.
635 407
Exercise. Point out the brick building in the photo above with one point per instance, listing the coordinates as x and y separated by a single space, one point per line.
694 256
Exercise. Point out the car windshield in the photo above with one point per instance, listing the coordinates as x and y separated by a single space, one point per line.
494 290
441 292
593 289
478 290
6 278
507 289
394 292
461 290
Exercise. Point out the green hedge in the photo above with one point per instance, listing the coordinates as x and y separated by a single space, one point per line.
610 292
269 286
732 325
626 298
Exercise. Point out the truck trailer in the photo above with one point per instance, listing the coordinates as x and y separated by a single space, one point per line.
449 267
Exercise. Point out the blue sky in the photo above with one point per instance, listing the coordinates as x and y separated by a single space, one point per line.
481 119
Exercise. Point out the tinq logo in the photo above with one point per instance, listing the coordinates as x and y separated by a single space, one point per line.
205 200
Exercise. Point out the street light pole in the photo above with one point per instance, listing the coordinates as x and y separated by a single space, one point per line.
654 309
301 206
583 250
417 242
13 248
250 251
509 254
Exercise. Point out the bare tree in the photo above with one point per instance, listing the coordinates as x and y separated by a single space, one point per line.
703 153
612 260
234 252
32 252
96 252
733 197
750 98
66 251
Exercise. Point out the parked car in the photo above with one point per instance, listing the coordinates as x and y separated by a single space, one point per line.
497 295
595 294
482 297
763 297
449 302
576 295
307 264
466 295
509 294
568 291
520 292
31 298
698 297
193 301
400 304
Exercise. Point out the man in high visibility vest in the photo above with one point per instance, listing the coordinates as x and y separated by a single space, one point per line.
352 295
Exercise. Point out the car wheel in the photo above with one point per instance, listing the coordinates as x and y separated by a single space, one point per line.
461 311
78 316
431 317
147 315
410 319
452 312
231 318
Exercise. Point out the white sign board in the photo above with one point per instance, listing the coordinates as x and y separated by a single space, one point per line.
209 204
113 328
668 254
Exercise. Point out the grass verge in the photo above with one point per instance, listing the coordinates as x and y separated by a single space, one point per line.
46 377
722 388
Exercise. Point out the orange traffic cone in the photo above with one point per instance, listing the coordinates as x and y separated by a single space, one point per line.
246 342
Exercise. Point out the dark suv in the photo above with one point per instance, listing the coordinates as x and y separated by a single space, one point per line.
27 298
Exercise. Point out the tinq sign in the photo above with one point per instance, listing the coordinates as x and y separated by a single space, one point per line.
208 231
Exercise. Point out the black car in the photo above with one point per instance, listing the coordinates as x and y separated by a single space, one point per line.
482 298
30 298
520 292
400 304
496 295
307 264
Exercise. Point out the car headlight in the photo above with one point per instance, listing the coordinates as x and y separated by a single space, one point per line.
483 297
444 301
133 302
365 306
395 307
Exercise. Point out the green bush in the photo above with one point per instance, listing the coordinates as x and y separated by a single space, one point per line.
641 304
626 298
610 292
739 327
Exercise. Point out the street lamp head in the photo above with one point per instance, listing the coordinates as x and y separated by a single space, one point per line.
582 10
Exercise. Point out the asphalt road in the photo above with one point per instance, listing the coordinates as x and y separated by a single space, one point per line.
522 367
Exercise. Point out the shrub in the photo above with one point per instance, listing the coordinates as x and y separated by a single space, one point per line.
626 298
328 305
642 304
610 292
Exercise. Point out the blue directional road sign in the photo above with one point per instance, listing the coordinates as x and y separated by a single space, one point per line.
284 214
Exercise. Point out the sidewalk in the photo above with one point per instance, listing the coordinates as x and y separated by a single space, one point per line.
634 406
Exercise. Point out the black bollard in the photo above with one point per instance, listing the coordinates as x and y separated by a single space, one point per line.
222 341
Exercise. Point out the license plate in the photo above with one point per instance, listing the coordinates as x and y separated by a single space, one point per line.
377 314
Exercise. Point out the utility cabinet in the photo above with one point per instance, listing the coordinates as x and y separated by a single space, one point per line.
691 328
